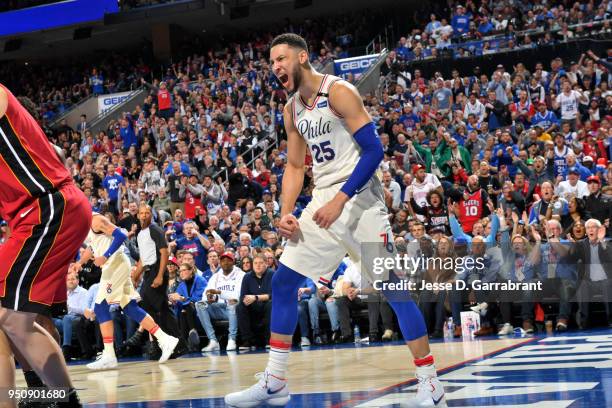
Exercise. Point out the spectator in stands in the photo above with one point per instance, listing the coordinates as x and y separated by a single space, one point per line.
187 294
305 293
96 81
114 187
194 242
77 303
351 299
255 305
594 276
219 302
460 21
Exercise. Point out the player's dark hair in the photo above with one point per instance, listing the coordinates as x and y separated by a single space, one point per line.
292 40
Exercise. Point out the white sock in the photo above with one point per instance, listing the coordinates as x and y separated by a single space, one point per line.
109 349
159 333
278 359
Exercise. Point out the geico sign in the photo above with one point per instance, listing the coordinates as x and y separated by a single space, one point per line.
114 100
359 64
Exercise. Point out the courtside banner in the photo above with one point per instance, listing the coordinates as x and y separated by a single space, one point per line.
355 65
106 102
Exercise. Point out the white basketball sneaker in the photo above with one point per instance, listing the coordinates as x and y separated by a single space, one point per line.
104 362
506 330
269 389
213 345
430 392
231 345
167 347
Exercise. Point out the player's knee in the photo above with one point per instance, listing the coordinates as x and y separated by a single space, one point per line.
102 311
134 311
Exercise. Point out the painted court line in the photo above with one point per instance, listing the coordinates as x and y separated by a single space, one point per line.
373 394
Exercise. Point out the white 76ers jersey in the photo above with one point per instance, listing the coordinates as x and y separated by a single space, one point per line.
99 244
334 151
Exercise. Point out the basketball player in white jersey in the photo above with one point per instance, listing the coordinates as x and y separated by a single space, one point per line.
105 244
326 116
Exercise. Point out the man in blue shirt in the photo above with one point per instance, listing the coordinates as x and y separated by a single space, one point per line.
503 152
114 185
127 133
460 22
545 118
96 80
307 290
408 118
195 243
485 26
442 97
212 261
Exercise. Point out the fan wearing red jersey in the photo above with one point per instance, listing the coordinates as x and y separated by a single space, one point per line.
472 203
36 196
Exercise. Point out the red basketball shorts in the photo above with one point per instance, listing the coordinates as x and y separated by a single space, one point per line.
45 238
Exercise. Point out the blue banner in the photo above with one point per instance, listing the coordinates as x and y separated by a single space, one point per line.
355 65
64 13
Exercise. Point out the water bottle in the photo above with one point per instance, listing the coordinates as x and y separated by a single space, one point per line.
357 334
450 328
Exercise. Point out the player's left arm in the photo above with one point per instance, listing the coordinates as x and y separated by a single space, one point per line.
3 102
102 224
347 102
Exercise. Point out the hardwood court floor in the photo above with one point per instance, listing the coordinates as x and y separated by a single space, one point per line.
544 371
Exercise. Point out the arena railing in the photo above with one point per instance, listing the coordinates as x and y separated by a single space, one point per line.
369 80
101 121
531 32
273 144
380 41
70 109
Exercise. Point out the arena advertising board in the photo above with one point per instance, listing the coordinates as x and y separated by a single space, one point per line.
106 102
354 65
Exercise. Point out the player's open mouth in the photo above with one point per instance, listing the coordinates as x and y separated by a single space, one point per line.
283 78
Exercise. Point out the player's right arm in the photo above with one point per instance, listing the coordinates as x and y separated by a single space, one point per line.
85 257
293 178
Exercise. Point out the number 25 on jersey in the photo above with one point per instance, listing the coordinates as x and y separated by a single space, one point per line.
323 152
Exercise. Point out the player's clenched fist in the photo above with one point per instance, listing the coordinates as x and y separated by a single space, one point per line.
288 225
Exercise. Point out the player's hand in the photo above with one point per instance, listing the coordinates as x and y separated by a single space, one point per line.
288 225
326 215
99 260
157 282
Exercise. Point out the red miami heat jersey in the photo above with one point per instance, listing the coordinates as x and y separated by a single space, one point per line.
29 164
470 210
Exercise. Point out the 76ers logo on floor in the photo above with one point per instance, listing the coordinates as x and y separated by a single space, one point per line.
109 288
